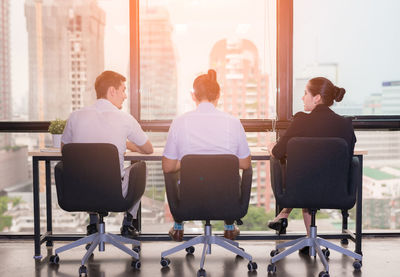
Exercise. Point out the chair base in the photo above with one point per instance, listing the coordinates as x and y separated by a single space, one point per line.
207 240
99 239
315 244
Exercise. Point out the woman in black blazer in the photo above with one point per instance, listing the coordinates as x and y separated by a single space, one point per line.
319 95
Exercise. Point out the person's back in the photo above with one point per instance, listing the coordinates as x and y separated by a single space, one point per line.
319 95
321 121
205 131
104 122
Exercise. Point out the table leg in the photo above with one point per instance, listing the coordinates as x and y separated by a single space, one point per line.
48 203
359 209
36 207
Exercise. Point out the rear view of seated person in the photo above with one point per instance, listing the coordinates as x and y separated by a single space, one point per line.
319 95
104 122
205 130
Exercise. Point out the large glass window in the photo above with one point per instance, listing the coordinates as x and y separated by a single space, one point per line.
50 54
356 45
181 39
343 41
54 52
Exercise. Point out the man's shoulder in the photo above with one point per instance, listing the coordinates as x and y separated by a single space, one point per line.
80 112
184 116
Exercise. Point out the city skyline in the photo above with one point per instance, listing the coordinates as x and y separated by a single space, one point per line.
180 50
66 54
312 42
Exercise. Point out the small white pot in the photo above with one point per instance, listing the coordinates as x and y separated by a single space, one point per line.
56 140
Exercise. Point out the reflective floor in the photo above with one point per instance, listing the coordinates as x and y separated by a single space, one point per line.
381 258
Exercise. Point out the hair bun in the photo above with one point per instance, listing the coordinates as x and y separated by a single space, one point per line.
212 75
339 93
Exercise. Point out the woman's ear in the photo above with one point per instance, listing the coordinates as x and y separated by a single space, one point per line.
317 99
194 98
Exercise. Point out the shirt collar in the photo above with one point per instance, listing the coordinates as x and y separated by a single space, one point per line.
105 104
206 107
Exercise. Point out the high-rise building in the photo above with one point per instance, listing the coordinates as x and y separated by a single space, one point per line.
390 98
244 94
158 69
66 54
5 70
159 95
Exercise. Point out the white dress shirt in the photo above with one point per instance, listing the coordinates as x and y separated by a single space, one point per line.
206 130
104 123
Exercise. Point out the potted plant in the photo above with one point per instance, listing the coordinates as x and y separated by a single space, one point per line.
56 128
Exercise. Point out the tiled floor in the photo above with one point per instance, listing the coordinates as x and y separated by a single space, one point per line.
381 258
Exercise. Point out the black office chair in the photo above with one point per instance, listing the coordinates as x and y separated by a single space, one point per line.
319 174
209 188
88 179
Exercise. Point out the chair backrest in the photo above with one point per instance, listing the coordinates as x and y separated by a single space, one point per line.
317 174
89 178
210 188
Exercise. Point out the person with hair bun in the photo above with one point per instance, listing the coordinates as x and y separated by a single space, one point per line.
205 130
319 95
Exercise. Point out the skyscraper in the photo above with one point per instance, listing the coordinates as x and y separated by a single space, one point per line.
158 70
158 87
244 94
66 53
5 70
390 98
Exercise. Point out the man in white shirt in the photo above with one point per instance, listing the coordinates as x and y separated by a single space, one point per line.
104 122
205 131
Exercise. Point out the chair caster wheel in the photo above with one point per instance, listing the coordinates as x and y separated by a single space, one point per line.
357 264
252 266
271 268
54 259
190 250
82 271
165 262
136 264
323 274
274 252
201 272
136 248
326 252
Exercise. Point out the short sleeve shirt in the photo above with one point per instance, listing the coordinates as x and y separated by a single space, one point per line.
206 131
104 123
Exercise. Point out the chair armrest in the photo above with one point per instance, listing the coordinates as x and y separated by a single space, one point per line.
355 179
245 187
172 190
58 174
